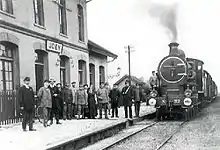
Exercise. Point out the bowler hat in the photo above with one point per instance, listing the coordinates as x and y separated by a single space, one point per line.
27 79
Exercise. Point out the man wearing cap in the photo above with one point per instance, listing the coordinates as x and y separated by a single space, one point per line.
45 101
114 96
74 104
153 80
138 97
67 99
128 95
26 99
55 102
102 95
81 101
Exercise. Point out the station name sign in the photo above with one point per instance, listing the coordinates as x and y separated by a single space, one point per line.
53 46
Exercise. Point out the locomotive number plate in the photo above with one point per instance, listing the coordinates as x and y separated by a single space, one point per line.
176 100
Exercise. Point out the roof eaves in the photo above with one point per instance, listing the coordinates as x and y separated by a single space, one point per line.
101 50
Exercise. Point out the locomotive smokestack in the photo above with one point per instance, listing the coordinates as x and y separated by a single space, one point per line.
173 48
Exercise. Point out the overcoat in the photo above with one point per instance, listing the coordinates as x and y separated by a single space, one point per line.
81 97
138 95
26 98
128 95
67 96
114 95
56 99
45 97
102 94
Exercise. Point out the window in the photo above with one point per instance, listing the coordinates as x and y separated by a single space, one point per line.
38 12
64 70
6 67
101 74
41 69
80 23
82 71
62 17
6 6
92 73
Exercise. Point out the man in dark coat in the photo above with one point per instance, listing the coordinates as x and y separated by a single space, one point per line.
138 97
26 100
55 102
114 95
67 99
128 95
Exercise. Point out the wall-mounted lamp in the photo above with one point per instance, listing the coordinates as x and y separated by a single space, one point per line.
58 62
115 75
118 71
72 62
36 56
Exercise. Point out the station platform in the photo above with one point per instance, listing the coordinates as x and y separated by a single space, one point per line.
71 134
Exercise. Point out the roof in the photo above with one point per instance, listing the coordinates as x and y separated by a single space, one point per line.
133 78
100 50
193 59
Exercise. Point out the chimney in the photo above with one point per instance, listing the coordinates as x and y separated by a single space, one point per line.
173 48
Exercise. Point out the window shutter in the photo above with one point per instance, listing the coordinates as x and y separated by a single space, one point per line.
0 4
41 13
10 6
65 18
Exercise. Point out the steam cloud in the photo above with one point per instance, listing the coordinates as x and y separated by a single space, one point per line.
167 16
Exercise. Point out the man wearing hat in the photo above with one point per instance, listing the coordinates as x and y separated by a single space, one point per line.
26 100
128 95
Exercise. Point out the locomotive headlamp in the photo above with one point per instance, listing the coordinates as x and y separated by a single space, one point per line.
188 93
152 102
187 101
153 93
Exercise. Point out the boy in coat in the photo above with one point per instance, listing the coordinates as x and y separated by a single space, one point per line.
26 99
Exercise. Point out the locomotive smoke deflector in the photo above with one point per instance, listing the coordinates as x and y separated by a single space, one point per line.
173 48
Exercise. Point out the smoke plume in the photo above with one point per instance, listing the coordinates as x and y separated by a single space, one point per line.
167 16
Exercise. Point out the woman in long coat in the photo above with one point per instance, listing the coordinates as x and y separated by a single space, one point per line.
92 102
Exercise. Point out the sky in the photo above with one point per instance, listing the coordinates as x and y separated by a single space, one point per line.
115 24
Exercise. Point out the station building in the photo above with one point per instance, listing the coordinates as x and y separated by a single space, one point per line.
46 39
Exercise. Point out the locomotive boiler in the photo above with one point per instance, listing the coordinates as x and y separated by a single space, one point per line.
183 85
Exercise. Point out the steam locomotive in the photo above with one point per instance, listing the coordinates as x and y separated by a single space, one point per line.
183 86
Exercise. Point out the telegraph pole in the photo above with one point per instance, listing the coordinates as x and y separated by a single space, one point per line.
129 47
129 64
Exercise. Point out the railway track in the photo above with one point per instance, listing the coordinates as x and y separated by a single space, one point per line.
154 124
132 134
170 137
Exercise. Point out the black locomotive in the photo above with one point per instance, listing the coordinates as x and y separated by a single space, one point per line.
183 85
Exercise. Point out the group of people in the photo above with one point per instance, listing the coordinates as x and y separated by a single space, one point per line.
69 102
